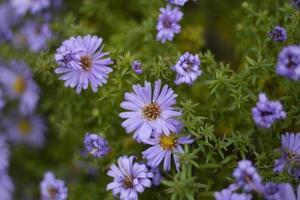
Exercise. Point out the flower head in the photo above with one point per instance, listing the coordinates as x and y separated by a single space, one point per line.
130 178
288 63
266 112
4 155
137 67
52 188
82 63
96 145
7 21
149 111
187 69
167 25
229 195
278 34
156 176
290 154
6 186
18 84
33 6
246 176
28 129
178 2
272 191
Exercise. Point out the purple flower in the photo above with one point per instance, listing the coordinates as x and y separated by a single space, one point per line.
156 176
130 178
278 34
272 191
167 25
229 195
2 101
18 84
187 69
4 155
149 111
34 35
137 67
287 192
163 147
288 63
81 63
6 187
25 129
52 188
178 2
246 176
266 112
96 145
33 6
7 21
290 154
296 3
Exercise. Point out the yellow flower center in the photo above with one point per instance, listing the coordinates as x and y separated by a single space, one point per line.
168 142
151 111
86 62
19 85
24 127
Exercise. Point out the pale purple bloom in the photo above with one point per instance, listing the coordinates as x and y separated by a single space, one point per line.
34 35
229 195
287 192
8 20
266 112
156 176
4 155
33 6
288 62
137 67
296 3
246 176
81 63
167 25
187 69
96 145
290 154
163 148
149 111
6 187
130 178
52 188
278 34
18 84
25 129
272 191
178 2
2 101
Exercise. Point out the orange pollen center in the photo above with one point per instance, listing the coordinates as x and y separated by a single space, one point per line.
168 142
24 127
86 62
151 111
19 85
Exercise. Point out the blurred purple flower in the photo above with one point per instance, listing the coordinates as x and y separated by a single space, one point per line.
287 192
156 176
149 111
288 63
33 6
6 187
2 101
272 191
167 25
246 176
266 112
4 155
130 178
81 63
18 84
229 195
25 129
178 2
290 154
96 145
52 188
278 34
137 67
296 3
8 20
187 69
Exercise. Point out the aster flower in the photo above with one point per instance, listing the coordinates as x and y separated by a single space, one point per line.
278 34
273 191
96 145
149 111
4 155
81 63
34 35
229 195
156 176
246 176
163 147
187 69
6 187
25 129
18 84
266 112
52 188
167 25
33 6
288 63
137 67
178 2
130 178
290 154
8 20
287 192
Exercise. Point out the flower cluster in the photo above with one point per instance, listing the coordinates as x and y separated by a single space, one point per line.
278 34
96 145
